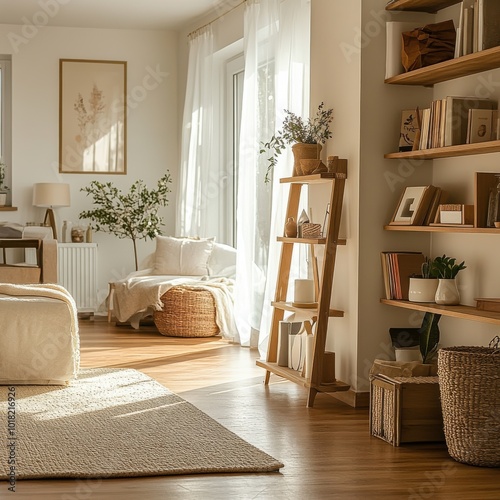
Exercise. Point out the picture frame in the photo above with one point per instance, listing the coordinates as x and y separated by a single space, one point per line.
92 116
413 205
409 132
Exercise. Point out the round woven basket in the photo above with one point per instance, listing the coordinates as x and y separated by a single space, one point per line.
187 312
469 382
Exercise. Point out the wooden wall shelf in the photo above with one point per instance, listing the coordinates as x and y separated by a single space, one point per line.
430 6
8 209
448 152
460 311
448 70
444 229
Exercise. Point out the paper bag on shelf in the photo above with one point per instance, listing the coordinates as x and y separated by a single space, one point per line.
431 44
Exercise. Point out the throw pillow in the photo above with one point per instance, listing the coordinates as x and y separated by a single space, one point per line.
181 257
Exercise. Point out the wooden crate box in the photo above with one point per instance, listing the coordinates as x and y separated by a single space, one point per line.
405 409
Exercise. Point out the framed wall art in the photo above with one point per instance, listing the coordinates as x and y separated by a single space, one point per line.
92 116
413 205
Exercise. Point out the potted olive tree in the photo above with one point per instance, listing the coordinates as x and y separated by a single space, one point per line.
131 215
307 137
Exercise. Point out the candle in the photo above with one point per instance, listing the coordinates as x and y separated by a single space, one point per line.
304 291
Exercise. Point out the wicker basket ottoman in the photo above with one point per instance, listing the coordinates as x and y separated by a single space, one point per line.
187 312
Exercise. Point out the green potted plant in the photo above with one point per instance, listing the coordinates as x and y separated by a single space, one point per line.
446 271
307 137
3 188
429 336
131 215
423 287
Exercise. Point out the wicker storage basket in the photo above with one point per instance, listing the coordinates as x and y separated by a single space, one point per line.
187 312
469 380
405 409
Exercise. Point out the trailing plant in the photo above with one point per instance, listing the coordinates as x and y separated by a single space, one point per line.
3 168
131 215
446 267
429 335
315 130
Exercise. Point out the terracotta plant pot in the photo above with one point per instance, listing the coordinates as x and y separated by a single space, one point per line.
309 167
303 151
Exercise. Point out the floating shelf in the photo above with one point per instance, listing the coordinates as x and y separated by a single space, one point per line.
8 209
430 6
448 70
444 229
448 152
460 311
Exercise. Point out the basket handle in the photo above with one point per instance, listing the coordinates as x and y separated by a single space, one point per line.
495 344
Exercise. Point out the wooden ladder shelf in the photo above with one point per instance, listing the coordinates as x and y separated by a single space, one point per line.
336 176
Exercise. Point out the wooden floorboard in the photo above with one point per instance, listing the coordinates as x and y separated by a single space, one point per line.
327 450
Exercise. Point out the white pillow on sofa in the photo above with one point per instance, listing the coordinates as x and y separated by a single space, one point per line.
222 260
181 257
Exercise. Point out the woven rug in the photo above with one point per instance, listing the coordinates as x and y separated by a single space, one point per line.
115 423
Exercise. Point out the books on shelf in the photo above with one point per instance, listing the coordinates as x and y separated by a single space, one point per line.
479 27
489 24
479 128
449 122
397 268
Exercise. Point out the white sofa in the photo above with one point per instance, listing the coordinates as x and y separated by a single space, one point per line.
177 262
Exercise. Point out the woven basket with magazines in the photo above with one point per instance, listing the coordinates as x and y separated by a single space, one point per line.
187 312
469 381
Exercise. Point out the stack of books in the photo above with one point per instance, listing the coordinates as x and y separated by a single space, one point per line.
456 120
397 269
478 26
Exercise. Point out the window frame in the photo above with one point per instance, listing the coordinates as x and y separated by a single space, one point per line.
6 114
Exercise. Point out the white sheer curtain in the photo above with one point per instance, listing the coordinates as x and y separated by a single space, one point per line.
276 78
198 206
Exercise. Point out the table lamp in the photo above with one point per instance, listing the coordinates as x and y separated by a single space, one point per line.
51 195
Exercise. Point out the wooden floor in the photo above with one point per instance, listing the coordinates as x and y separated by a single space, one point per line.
327 450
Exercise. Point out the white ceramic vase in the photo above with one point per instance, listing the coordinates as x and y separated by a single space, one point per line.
3 199
447 292
422 289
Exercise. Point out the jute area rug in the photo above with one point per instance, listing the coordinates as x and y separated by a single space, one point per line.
115 423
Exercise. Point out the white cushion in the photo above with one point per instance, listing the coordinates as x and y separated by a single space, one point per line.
222 258
182 257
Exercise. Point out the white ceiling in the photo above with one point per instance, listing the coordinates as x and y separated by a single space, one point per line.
119 14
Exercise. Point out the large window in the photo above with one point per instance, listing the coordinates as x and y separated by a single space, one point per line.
234 94
5 114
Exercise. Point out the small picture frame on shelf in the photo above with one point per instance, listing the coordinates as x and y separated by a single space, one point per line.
410 130
413 205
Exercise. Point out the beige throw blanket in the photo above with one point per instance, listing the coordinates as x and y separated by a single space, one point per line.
137 297
58 336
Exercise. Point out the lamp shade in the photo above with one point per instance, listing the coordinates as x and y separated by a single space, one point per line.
51 194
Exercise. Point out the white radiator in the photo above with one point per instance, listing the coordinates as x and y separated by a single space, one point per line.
77 272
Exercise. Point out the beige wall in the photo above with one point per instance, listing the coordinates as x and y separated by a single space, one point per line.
366 125
152 122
